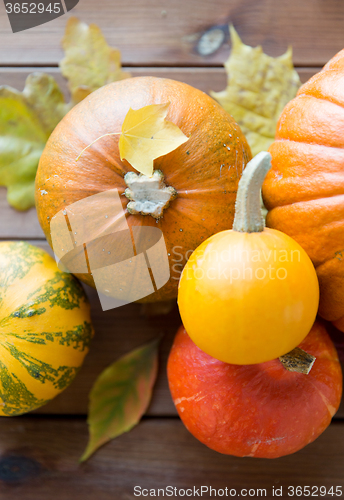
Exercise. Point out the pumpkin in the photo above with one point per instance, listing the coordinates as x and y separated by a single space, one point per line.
204 171
304 191
260 410
45 328
249 294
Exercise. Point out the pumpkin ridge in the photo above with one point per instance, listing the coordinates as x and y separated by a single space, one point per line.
309 120
322 84
79 337
310 143
286 139
115 166
37 369
306 200
186 216
331 409
17 399
19 268
67 296
323 99
200 191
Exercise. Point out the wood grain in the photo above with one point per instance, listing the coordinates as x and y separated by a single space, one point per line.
205 79
17 225
39 461
166 33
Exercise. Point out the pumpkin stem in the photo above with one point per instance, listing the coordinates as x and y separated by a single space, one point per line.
298 360
248 216
148 195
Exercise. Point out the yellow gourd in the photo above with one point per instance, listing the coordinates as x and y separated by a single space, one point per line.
250 294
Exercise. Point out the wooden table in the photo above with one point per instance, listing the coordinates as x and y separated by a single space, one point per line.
39 452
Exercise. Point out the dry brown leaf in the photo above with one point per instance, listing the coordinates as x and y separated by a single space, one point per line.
89 62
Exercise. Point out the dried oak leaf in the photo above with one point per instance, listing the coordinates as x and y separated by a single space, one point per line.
89 62
258 88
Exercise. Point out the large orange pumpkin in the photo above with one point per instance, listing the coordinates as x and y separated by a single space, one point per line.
204 171
304 191
260 410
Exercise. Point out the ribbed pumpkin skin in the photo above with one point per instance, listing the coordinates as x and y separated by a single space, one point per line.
205 170
45 328
304 191
259 410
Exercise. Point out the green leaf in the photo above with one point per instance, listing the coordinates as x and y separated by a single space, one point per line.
26 120
258 88
89 62
120 396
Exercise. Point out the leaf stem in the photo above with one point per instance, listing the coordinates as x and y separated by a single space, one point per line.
111 133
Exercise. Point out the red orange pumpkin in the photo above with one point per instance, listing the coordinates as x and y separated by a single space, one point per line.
260 410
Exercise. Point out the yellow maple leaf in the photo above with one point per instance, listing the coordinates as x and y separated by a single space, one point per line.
258 88
89 62
146 135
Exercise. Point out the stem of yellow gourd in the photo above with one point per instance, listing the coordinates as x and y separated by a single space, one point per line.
249 219
248 215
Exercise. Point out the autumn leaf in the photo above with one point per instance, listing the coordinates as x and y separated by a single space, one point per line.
258 88
26 120
146 135
120 396
89 62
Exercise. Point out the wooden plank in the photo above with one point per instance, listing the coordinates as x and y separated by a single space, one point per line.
167 33
39 461
15 224
205 79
